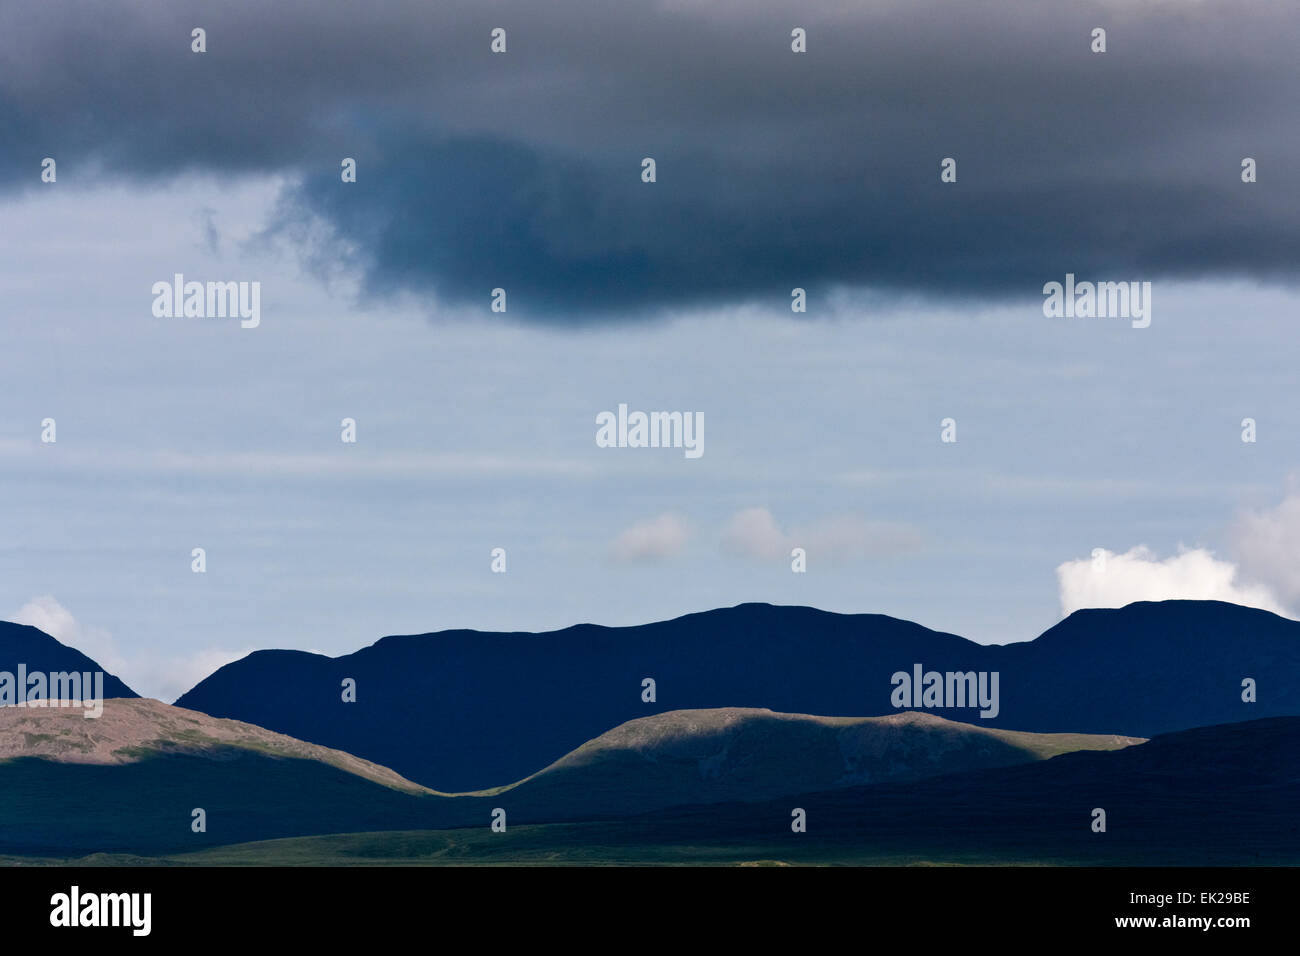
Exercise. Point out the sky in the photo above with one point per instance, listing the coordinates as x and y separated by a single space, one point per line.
1095 463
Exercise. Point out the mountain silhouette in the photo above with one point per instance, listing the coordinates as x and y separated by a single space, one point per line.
466 710
38 652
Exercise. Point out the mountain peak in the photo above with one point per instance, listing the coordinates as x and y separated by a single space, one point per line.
36 651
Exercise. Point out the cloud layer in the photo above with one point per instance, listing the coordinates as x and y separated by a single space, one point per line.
1268 544
662 537
775 169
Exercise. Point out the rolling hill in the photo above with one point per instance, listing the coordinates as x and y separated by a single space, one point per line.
149 765
1213 796
739 754
1222 795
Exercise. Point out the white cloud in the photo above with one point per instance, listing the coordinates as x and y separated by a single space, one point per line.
754 533
170 677
1114 580
652 539
165 677
48 615
1267 543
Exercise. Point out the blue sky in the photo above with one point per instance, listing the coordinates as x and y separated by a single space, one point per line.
477 432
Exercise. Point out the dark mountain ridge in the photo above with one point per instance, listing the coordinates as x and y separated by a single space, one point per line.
37 651
466 710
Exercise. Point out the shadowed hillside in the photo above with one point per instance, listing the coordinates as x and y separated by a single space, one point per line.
1214 796
1223 795
148 765
710 756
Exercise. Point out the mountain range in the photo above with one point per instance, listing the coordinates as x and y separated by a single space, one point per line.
464 710
747 724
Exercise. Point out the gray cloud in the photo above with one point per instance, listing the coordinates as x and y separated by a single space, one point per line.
775 169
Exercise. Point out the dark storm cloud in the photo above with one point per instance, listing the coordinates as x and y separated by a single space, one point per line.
775 169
